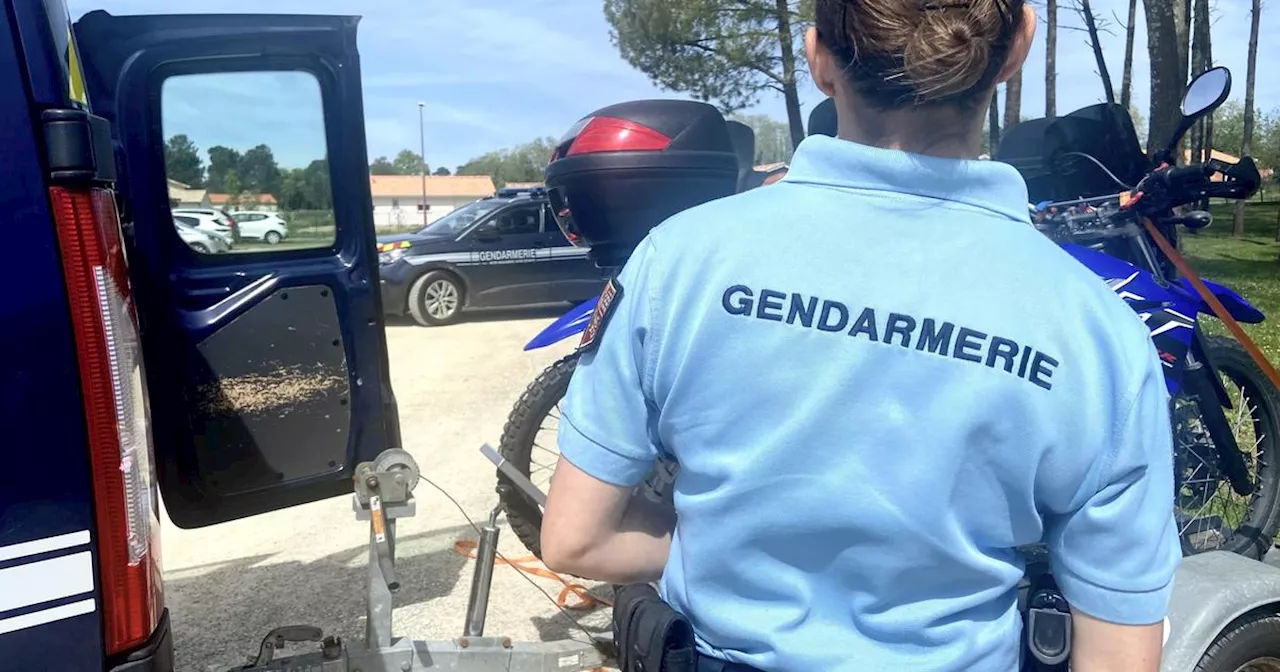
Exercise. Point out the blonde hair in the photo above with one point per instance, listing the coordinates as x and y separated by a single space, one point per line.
899 53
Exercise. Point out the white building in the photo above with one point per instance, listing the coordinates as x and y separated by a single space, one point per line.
184 196
247 201
397 199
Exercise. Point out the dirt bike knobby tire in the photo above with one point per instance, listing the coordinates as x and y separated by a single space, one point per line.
516 446
1262 519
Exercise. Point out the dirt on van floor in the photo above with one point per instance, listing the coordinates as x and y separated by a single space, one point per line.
229 584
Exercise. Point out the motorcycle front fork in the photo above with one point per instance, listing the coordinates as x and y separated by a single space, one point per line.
1231 461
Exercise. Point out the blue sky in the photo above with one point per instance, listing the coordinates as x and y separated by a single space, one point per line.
496 73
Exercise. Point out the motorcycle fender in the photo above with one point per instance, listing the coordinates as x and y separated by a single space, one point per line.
1237 305
570 324
1210 590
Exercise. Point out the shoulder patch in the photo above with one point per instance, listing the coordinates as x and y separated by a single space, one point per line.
604 309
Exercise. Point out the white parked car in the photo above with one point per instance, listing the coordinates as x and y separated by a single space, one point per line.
268 227
207 223
200 241
218 215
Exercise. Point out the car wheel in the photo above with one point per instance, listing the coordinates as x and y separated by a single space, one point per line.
1251 642
200 248
273 237
435 299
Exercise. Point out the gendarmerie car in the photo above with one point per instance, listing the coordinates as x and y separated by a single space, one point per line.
500 251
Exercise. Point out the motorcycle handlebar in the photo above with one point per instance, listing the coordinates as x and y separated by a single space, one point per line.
1183 176
1187 184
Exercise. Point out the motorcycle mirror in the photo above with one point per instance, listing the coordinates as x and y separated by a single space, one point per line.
1205 94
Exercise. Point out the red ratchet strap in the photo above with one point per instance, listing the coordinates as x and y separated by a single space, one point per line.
1218 309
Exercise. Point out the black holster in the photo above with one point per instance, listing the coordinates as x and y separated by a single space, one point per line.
1046 617
649 635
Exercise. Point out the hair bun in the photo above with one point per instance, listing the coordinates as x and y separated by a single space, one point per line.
902 52
947 55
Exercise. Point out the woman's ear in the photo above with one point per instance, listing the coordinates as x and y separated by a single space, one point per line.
1020 46
822 64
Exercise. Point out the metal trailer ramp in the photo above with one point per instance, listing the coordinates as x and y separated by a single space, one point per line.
383 494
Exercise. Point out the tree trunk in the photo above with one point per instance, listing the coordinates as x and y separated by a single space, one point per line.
787 43
993 126
1186 35
1246 142
1278 225
1126 82
1197 67
1204 39
1166 43
1013 99
1087 12
1051 60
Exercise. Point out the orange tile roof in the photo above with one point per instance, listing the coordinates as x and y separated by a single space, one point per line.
466 186
222 199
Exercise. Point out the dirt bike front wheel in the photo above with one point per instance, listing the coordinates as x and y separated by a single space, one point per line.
529 444
1211 516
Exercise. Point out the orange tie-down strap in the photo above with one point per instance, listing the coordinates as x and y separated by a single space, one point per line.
530 564
1218 309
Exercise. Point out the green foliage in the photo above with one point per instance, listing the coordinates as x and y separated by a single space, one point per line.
381 166
1139 124
1228 133
442 172
721 51
409 162
222 160
246 177
315 178
524 163
182 161
306 188
773 138
258 171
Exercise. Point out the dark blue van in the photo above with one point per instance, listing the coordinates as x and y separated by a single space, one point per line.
133 361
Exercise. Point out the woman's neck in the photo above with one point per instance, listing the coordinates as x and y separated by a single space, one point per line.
944 132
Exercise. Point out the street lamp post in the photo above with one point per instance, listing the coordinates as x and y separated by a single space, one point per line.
422 142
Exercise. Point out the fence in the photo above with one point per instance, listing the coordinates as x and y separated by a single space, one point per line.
310 225
318 225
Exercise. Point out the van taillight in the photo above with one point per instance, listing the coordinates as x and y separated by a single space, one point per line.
607 134
110 356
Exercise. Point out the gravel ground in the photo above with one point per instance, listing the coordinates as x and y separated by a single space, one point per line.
229 584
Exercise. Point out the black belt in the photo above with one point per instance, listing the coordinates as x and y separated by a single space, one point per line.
650 636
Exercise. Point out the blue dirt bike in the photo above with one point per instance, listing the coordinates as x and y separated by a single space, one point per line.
1225 410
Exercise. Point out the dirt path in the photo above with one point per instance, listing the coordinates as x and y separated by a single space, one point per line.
229 584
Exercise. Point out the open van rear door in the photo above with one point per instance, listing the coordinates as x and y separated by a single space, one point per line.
264 346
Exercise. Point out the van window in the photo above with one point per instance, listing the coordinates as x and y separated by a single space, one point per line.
252 141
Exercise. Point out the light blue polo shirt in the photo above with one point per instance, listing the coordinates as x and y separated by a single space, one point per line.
878 380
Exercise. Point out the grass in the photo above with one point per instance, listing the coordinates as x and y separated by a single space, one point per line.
1250 265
